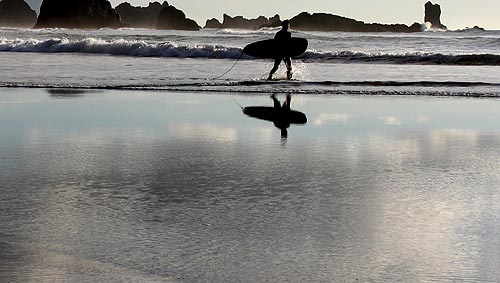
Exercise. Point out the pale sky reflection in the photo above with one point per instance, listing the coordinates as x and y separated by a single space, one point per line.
391 120
325 118
423 119
443 137
203 130
415 220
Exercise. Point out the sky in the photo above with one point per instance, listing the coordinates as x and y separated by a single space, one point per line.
456 14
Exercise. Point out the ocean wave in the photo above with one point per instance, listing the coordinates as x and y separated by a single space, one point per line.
138 48
262 31
119 47
403 58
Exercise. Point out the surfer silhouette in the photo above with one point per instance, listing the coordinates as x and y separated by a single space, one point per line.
282 37
281 121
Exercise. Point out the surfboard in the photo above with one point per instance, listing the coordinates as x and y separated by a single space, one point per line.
271 48
272 114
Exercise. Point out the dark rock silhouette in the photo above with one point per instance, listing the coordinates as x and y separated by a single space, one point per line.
213 23
174 19
16 13
140 17
433 15
77 14
243 23
328 22
272 22
477 28
474 28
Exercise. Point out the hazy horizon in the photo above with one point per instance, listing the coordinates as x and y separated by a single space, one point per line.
456 14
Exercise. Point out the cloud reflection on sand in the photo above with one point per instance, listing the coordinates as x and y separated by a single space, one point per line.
325 118
444 137
423 119
182 191
391 120
203 130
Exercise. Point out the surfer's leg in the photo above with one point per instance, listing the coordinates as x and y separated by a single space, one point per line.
288 64
288 101
275 101
275 68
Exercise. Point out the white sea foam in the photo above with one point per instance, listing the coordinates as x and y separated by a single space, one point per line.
262 31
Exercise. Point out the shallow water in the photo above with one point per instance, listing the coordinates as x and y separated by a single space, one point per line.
130 186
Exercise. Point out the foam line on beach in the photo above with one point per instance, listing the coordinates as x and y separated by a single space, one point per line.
200 82
258 87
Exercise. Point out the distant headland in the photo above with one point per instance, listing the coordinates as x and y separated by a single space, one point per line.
243 23
89 14
155 16
77 14
328 22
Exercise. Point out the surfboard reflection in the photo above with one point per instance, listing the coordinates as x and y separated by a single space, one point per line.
281 115
69 93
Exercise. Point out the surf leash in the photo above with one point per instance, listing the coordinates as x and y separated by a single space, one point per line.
241 55
236 101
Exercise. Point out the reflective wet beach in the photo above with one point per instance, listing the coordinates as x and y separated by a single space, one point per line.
114 186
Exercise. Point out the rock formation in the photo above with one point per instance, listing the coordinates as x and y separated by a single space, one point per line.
474 28
77 14
328 22
16 13
433 15
213 23
477 28
242 23
173 18
140 17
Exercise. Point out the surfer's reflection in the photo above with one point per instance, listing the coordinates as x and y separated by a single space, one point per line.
282 122
281 115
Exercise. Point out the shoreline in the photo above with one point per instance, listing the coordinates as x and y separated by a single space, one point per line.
326 93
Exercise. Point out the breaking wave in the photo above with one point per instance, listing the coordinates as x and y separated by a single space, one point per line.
262 31
137 48
118 47
404 58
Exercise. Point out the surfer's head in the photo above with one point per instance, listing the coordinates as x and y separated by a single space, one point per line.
285 24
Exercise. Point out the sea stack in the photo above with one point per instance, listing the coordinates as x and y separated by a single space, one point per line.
140 17
77 14
16 13
433 15
171 18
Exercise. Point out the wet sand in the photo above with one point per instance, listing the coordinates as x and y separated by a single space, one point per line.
113 186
